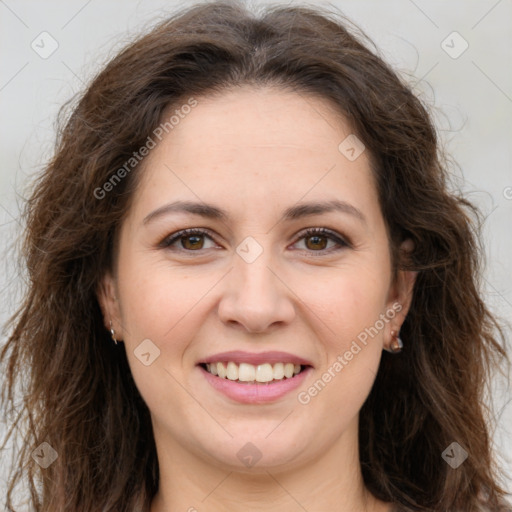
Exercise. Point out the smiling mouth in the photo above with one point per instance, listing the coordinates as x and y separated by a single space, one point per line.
245 373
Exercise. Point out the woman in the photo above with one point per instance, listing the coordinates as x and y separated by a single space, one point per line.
249 286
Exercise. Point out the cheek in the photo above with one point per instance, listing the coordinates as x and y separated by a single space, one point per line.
345 302
160 306
347 310
349 331
157 296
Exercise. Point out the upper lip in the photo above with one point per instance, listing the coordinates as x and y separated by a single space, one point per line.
239 356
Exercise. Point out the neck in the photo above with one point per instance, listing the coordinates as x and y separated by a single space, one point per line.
332 481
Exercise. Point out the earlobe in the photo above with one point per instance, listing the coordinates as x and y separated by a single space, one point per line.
402 294
107 298
403 286
406 278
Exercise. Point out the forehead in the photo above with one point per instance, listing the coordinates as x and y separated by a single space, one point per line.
260 118
270 146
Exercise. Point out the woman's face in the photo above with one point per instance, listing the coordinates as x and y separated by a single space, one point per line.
255 284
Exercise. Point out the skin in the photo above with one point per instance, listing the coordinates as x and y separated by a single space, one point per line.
255 152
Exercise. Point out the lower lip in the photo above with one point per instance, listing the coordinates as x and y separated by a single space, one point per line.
255 393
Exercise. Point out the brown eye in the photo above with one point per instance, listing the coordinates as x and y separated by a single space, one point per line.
196 242
318 242
191 240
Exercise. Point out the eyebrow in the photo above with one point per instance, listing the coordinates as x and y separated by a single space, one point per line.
292 213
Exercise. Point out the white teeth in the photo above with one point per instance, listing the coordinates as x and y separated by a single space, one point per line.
278 371
221 370
232 371
288 370
264 373
245 372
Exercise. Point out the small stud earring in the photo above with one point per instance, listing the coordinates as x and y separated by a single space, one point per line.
112 333
396 344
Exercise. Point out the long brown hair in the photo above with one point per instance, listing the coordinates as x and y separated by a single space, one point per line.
78 393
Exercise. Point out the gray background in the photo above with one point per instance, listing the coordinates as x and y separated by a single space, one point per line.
471 96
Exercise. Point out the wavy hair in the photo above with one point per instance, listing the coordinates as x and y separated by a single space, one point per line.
77 390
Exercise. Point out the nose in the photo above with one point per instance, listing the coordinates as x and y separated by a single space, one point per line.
256 298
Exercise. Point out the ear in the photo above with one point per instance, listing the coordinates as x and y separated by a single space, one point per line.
109 304
401 292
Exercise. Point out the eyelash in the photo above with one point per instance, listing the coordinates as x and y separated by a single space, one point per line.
175 237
